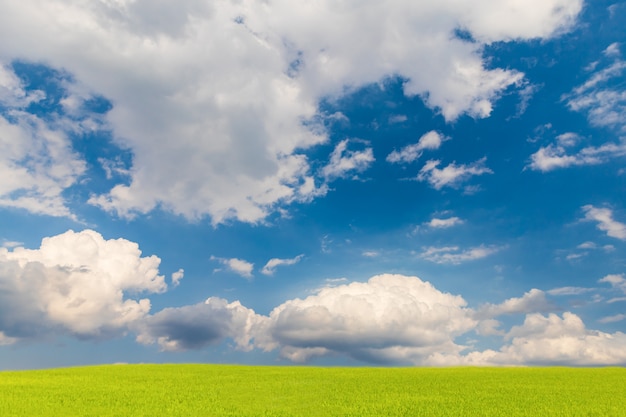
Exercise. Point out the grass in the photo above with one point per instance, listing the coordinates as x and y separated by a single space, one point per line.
224 390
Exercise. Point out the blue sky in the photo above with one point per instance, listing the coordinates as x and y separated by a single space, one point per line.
371 183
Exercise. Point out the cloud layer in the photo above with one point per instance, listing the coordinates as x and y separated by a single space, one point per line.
81 285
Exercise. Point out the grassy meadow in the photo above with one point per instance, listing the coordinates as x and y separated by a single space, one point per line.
225 390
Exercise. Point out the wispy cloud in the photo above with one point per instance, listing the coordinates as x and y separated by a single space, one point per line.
452 175
272 264
606 223
436 223
456 255
431 140
603 100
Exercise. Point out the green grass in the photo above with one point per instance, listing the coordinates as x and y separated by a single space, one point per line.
216 390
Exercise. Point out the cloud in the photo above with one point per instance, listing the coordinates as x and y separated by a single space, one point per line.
430 140
224 137
616 281
37 162
272 264
177 277
606 223
389 318
436 223
551 340
343 161
236 265
531 302
569 291
612 319
455 255
77 284
197 326
452 175
603 100
553 156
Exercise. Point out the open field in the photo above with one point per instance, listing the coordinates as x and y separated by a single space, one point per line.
218 390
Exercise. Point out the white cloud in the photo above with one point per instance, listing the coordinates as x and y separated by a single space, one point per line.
612 319
236 265
603 101
551 340
455 255
569 291
531 302
211 98
388 318
37 164
177 277
452 175
552 157
617 281
343 161
272 264
430 140
75 283
436 223
606 223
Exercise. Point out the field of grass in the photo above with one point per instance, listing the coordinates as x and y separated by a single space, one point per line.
217 390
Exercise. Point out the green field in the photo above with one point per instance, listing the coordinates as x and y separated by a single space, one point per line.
217 390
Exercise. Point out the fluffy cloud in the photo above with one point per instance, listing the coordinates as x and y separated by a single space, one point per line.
552 340
215 101
274 263
452 175
606 223
199 325
75 283
236 265
455 255
408 154
388 318
37 162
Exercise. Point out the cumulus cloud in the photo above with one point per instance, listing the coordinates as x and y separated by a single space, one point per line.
551 340
431 140
272 264
388 318
344 161
76 283
606 223
222 137
452 175
455 255
236 265
199 325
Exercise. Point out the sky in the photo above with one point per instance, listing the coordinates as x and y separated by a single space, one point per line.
355 183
